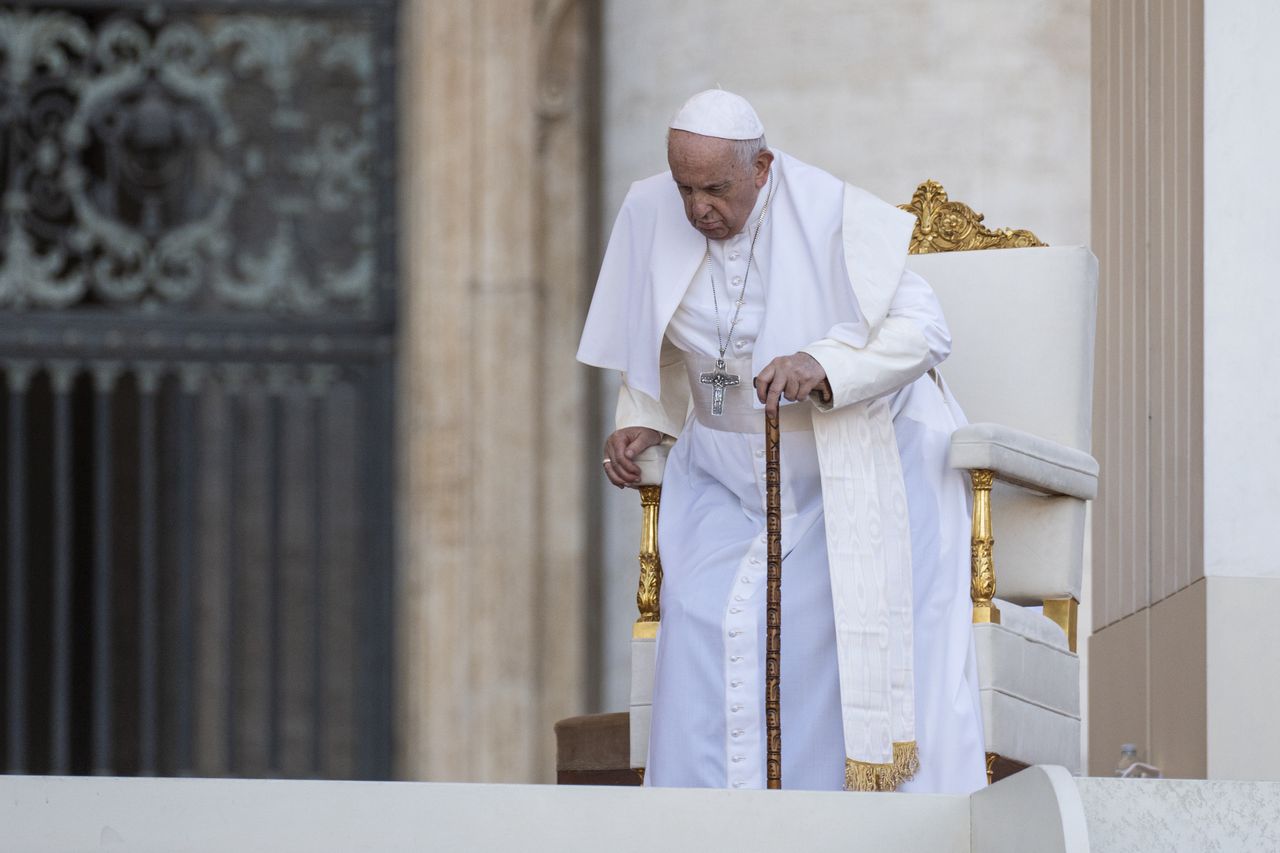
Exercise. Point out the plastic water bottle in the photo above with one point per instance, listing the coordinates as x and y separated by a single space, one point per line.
1128 757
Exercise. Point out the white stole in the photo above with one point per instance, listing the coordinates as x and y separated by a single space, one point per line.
868 531
869 558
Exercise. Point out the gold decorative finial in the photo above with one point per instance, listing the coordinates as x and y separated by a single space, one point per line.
943 225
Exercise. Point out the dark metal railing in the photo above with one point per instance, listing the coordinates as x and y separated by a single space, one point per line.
197 318
170 556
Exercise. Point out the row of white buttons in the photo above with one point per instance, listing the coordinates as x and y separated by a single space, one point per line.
741 720
740 642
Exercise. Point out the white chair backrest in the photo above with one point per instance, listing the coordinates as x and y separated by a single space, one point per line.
1022 324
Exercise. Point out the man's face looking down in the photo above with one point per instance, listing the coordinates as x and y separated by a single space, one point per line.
718 185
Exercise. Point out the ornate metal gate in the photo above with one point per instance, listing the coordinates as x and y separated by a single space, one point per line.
197 312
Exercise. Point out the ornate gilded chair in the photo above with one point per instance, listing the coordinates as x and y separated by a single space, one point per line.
1022 322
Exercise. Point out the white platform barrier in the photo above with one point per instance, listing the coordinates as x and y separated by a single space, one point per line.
1041 809
45 814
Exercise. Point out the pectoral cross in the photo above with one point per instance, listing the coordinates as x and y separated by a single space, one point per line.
719 379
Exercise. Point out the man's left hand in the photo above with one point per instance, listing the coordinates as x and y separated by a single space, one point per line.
794 377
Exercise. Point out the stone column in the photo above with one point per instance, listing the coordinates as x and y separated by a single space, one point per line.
1188 581
491 598
1147 209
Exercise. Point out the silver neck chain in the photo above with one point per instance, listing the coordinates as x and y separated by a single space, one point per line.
723 341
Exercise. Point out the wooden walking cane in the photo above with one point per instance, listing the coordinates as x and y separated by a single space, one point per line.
773 607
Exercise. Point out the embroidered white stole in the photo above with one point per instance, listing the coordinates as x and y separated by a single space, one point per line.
869 554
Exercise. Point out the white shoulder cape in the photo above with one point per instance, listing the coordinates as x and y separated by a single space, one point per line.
841 244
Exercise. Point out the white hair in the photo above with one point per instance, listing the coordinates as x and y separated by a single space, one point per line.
744 150
747 150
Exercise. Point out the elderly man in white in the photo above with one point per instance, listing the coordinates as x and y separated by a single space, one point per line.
744 279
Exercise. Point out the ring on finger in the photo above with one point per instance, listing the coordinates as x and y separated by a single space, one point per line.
607 462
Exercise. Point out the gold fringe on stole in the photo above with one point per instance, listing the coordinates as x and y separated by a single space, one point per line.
862 776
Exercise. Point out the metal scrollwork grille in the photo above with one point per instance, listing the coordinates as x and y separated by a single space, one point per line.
188 161
197 318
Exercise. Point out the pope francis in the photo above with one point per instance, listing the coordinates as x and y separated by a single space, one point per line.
744 280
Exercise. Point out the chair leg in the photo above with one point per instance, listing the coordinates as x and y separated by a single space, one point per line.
1064 611
649 593
999 767
983 578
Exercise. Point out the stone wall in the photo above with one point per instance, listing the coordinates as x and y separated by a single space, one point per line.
493 596
989 97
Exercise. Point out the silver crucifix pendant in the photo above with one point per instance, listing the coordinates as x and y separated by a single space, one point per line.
718 379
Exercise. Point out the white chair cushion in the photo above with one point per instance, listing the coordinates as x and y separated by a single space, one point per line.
1029 733
1029 682
641 723
1039 544
644 653
1027 670
644 656
1024 459
1030 622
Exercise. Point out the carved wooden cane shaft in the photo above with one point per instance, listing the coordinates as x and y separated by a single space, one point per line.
773 610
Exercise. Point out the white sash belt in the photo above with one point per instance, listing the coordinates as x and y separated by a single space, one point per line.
740 412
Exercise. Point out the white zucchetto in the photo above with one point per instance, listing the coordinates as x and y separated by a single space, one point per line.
718 113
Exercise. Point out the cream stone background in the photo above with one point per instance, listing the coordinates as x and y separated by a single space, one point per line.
1131 126
1241 303
991 98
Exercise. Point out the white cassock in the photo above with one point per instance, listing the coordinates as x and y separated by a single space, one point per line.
708 703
